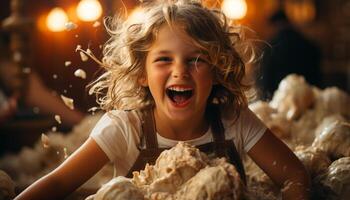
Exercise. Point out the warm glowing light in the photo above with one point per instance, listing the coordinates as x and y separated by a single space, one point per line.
56 20
301 12
234 9
136 16
89 10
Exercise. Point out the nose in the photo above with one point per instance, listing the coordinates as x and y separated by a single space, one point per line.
180 70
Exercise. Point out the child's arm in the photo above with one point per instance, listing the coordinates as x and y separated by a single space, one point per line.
72 173
282 166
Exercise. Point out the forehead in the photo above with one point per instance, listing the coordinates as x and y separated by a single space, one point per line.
173 37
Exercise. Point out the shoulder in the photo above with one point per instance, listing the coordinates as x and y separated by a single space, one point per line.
245 118
117 133
117 120
247 126
118 116
246 130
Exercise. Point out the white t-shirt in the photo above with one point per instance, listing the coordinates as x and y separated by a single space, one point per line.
118 135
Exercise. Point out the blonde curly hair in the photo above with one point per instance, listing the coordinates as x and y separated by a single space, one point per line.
125 53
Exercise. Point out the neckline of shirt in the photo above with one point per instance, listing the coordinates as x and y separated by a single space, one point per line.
166 142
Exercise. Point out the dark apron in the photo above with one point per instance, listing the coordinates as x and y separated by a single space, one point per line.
220 147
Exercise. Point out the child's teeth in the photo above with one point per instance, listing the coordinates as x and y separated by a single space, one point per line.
179 89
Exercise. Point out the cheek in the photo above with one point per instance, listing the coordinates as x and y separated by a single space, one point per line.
156 80
206 76
205 83
157 74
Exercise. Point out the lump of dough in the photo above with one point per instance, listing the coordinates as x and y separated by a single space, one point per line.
234 177
315 160
334 140
293 96
327 121
182 172
303 129
172 168
337 178
119 188
212 183
332 100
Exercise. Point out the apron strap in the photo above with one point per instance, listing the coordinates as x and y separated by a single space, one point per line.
222 147
218 131
149 128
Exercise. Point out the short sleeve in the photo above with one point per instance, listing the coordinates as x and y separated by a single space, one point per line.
252 129
109 134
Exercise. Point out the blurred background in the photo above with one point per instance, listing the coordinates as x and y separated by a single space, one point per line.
39 62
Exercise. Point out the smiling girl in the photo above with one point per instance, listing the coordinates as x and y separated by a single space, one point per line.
174 75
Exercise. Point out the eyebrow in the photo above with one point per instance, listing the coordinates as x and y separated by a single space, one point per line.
167 52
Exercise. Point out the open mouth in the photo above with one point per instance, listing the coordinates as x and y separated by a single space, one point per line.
179 95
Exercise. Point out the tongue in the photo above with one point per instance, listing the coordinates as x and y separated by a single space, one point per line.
180 98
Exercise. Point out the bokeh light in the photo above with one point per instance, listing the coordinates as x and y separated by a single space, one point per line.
89 10
234 9
56 20
136 15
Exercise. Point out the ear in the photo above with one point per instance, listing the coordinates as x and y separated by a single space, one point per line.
143 81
